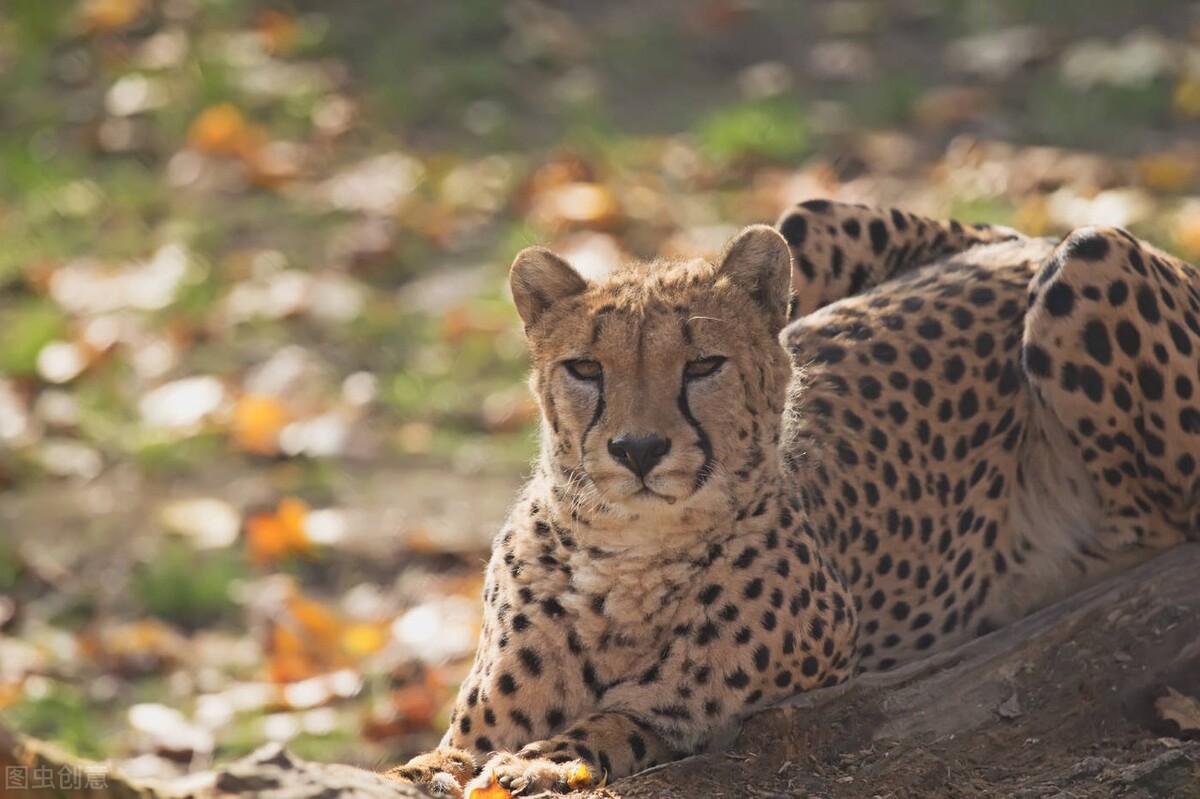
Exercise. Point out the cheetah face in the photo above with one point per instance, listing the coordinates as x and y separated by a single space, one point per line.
656 394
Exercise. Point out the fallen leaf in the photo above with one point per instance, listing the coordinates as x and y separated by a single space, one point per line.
257 423
270 536
493 790
219 130
580 778
1166 171
276 31
106 16
1186 99
1179 708
363 638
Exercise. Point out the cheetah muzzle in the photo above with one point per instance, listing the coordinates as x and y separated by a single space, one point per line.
962 424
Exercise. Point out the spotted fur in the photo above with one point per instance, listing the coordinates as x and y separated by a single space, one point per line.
962 424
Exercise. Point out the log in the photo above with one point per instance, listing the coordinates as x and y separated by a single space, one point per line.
1060 704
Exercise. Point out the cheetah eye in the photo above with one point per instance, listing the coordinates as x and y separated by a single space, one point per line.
703 367
583 369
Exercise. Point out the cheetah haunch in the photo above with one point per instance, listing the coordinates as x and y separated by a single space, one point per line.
962 424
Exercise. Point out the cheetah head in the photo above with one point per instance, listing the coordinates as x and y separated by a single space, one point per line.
661 385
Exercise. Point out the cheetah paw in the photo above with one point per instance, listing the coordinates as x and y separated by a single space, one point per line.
442 772
509 775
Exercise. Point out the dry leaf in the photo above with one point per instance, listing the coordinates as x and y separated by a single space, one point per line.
105 16
276 31
1179 708
270 536
257 423
219 130
579 778
1186 100
493 790
1166 171
364 638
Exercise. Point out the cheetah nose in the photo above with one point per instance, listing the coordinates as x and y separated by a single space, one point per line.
639 455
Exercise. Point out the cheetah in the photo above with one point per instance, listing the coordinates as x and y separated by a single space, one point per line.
962 424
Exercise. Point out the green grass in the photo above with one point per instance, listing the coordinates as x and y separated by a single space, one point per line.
771 130
62 716
28 327
189 588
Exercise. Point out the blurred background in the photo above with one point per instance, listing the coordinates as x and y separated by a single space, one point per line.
261 388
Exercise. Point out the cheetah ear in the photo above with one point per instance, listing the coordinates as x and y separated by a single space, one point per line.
758 261
538 279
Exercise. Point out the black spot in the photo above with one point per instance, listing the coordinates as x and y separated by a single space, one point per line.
1095 339
1118 292
810 666
795 229
1036 360
484 744
507 684
869 387
638 746
531 661
954 368
738 679
710 594
762 658
879 235
1128 338
981 296
1151 382
883 352
968 404
1183 343
1059 299
1089 246
830 353
1148 305
930 329
1092 383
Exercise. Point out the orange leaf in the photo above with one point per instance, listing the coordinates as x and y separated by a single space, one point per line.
579 778
10 693
105 16
493 790
270 536
362 638
276 31
314 618
219 130
257 423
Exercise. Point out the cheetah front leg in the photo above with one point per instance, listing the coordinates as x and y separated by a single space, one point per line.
839 249
1112 349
